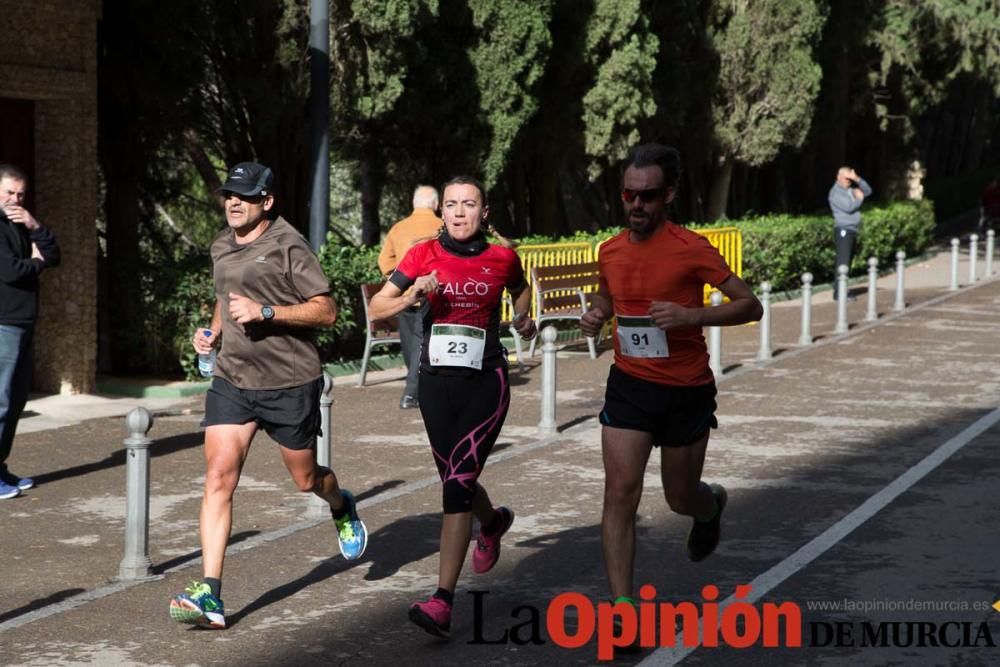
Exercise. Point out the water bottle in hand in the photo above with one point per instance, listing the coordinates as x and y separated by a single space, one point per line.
206 362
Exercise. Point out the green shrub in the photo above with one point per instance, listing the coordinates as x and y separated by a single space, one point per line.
183 303
346 267
780 248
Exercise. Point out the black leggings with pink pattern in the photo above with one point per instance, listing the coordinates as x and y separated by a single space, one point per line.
463 415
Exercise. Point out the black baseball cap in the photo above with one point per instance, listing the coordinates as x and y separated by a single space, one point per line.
249 179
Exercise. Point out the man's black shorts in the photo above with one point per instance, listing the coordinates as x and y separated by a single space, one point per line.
675 416
290 416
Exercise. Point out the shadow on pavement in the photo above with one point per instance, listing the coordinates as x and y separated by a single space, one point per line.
380 488
180 560
54 598
162 447
391 547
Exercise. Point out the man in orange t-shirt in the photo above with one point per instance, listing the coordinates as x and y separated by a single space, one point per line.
660 390
421 225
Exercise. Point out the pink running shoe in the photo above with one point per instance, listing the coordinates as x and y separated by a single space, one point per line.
434 616
487 551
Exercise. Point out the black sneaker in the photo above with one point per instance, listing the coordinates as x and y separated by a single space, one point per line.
408 402
704 535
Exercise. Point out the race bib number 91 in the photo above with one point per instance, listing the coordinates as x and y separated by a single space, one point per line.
639 337
456 345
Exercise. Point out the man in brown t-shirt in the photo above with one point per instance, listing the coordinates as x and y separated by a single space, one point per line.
270 292
421 225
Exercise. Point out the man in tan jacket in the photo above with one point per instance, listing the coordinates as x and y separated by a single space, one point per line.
421 225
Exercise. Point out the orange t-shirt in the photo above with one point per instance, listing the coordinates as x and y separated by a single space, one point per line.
671 265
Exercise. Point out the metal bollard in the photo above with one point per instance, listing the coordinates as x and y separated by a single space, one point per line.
715 340
764 353
953 285
900 303
324 441
841 326
547 426
805 338
973 256
136 563
324 446
990 240
872 313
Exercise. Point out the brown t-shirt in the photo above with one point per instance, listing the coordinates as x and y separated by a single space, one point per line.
277 269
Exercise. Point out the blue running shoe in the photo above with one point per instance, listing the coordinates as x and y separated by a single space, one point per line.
8 491
10 479
351 531
197 606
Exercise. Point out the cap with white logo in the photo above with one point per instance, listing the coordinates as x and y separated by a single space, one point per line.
249 179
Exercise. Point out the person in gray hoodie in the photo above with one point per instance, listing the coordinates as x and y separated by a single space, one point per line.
846 197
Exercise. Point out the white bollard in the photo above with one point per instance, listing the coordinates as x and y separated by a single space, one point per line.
872 313
900 303
324 441
324 448
953 285
715 340
764 353
973 256
841 326
990 240
805 338
547 426
136 563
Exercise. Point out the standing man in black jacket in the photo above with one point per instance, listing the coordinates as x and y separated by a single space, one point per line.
26 249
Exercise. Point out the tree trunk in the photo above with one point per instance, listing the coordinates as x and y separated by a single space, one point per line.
718 194
202 164
122 170
371 226
981 127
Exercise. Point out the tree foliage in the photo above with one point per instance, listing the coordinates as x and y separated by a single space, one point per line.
768 80
510 56
543 98
621 48
925 46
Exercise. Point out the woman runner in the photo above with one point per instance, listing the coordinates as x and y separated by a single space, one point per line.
464 392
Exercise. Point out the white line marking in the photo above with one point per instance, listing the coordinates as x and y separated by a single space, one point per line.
838 531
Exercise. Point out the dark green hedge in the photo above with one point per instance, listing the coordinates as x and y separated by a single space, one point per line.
780 248
777 248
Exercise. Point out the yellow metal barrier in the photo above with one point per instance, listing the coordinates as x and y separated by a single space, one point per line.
728 240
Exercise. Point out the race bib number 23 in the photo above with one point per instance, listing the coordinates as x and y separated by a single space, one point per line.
456 345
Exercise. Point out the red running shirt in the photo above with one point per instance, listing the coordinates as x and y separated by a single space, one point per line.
469 292
672 265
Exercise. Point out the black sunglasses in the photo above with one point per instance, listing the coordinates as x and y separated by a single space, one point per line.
250 199
646 196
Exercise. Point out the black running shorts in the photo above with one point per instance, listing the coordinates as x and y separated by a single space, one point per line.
290 416
675 416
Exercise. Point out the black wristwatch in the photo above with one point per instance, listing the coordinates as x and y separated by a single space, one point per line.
267 312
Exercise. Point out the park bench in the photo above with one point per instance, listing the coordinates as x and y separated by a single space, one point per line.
377 332
563 293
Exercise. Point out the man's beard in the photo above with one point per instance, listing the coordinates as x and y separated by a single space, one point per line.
642 225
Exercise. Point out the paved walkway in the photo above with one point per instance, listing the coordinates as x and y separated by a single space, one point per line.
853 475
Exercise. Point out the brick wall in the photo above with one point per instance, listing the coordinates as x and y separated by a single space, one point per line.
48 54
